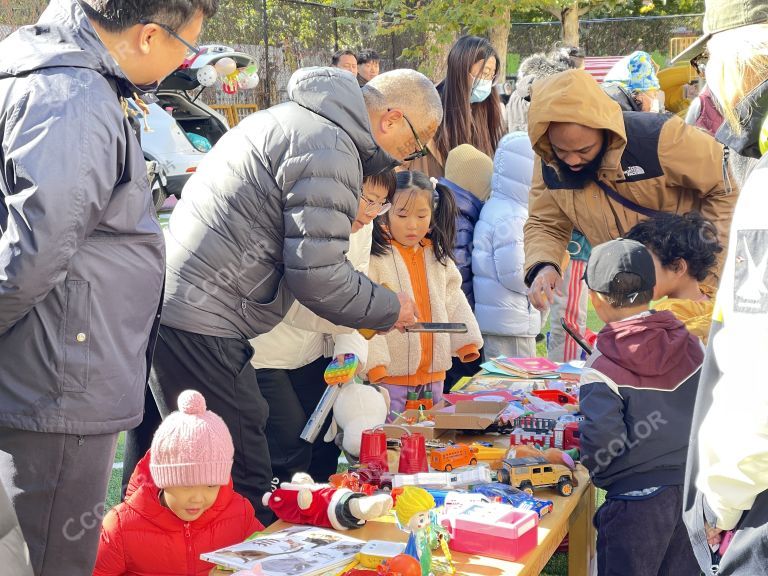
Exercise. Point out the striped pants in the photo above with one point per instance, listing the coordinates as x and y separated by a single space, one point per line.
572 305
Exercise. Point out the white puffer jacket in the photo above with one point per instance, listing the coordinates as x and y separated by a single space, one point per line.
302 337
501 301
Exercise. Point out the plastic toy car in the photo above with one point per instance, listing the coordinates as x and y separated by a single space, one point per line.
531 473
517 498
487 451
452 457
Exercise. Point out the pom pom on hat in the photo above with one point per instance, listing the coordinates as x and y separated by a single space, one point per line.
191 402
192 447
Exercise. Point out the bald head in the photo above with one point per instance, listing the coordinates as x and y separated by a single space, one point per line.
394 99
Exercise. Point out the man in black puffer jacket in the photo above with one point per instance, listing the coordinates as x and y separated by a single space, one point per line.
266 219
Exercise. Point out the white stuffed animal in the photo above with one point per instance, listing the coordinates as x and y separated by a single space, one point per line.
358 407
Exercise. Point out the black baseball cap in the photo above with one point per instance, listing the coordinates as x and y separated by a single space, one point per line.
611 258
722 15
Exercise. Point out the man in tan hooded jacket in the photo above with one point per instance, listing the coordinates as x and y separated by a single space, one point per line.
600 170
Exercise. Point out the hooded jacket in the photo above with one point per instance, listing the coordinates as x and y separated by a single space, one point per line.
468 206
653 160
268 214
637 397
501 300
141 537
727 479
81 250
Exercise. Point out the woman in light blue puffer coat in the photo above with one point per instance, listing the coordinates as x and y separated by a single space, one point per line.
507 320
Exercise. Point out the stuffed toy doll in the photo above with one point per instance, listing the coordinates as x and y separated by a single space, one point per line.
302 501
358 407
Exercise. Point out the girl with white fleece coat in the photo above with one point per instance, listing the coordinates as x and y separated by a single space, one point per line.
412 245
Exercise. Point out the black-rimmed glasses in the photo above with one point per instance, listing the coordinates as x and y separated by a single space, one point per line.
375 208
192 50
422 151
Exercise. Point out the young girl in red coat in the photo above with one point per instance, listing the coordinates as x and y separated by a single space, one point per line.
179 503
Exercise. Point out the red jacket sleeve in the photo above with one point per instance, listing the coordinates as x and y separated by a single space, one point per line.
251 522
110 559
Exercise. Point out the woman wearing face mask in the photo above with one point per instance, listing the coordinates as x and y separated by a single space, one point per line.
471 107
727 493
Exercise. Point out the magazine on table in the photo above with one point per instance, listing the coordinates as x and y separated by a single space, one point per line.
298 551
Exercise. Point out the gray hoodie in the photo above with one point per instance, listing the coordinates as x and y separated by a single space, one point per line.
81 251
268 214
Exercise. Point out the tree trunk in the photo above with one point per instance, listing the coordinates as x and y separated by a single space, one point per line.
569 19
499 37
435 64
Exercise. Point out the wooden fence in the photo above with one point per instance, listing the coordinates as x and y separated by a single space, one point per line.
234 113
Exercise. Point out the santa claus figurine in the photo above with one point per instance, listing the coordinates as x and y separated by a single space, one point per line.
301 501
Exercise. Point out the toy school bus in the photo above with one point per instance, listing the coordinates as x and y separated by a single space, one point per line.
452 457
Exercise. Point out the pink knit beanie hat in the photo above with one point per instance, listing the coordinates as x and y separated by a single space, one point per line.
192 447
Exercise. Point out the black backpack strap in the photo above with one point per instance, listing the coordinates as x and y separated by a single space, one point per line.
626 202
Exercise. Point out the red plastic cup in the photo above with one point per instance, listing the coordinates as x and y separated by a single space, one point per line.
413 454
373 449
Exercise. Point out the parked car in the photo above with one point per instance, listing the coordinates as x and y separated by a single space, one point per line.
180 129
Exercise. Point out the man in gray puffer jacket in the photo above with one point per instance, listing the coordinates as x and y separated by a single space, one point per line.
266 219
81 258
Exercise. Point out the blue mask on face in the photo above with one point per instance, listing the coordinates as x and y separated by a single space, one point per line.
480 91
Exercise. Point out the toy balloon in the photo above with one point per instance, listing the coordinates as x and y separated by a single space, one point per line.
248 81
225 66
230 84
207 75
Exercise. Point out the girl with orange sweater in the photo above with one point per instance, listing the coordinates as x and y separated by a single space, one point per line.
412 253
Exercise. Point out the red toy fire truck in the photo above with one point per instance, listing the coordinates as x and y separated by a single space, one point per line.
545 433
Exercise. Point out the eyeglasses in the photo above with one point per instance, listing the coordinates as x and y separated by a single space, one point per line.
375 208
699 63
422 151
192 50
485 76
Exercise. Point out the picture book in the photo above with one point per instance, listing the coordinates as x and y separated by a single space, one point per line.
298 551
541 367
492 383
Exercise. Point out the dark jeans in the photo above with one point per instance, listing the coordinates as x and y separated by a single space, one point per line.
220 369
292 396
138 440
644 537
58 483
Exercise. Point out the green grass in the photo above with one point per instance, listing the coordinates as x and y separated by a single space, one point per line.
113 490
